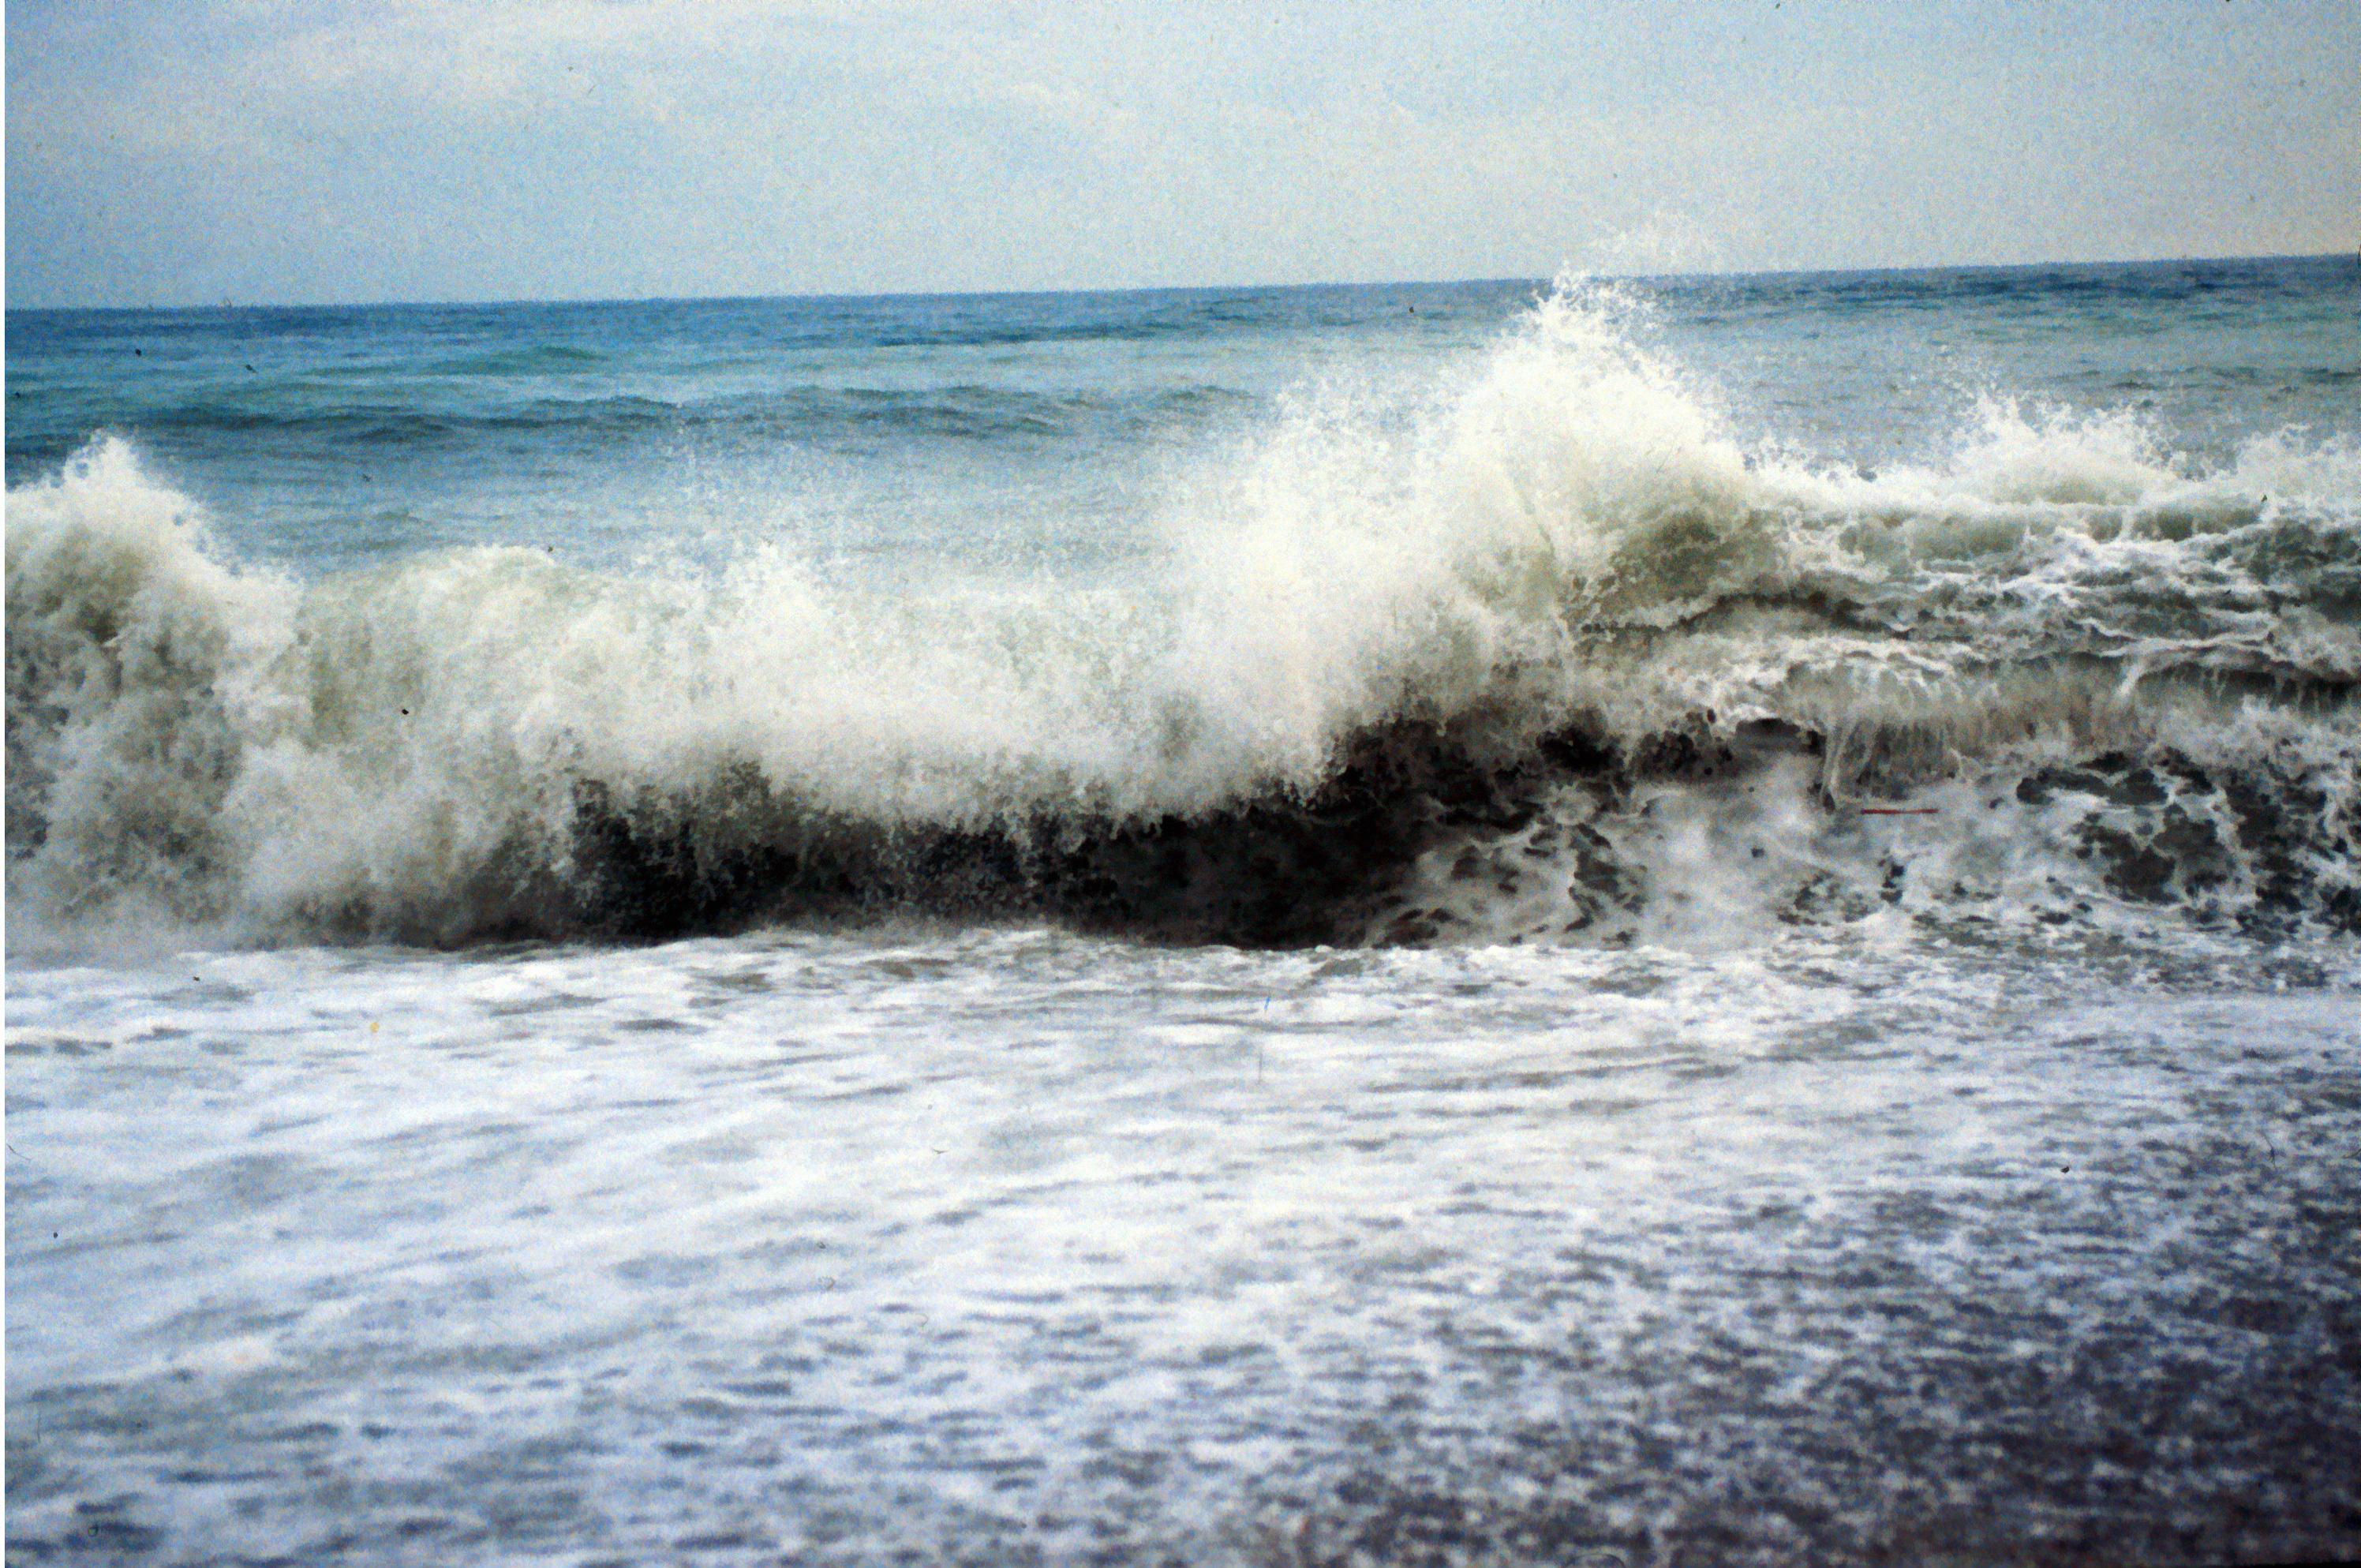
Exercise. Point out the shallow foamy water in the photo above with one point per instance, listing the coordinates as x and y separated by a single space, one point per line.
1000 1244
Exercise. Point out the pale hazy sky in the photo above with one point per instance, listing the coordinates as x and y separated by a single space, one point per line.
269 150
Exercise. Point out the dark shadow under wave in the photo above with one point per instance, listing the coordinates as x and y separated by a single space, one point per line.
1417 839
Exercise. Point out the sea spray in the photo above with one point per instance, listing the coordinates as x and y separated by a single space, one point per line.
1527 619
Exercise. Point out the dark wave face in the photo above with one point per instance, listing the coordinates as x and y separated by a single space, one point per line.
1485 627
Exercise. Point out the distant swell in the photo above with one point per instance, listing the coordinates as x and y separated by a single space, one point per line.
1552 655
821 415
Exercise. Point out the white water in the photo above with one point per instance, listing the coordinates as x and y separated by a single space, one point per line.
1567 535
733 1250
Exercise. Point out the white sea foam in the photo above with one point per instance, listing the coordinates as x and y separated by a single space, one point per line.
1567 536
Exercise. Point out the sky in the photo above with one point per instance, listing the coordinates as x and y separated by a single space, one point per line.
297 151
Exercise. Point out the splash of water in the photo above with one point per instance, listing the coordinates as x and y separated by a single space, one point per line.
1561 618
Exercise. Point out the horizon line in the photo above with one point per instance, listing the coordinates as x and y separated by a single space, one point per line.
815 295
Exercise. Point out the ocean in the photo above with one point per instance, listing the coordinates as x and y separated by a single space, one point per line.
1699 920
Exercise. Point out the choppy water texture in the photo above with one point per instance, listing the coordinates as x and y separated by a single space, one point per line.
1709 922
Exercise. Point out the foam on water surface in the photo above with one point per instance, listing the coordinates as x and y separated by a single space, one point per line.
1001 1242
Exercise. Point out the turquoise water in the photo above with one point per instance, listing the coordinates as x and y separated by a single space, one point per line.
1708 920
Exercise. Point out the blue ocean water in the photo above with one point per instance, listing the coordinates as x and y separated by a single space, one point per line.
1707 919
327 439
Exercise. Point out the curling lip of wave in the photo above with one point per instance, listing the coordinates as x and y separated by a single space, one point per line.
1569 576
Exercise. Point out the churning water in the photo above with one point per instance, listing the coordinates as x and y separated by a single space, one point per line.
1712 921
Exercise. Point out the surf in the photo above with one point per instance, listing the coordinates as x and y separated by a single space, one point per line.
1546 649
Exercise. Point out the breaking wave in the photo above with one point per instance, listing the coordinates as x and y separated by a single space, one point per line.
1556 654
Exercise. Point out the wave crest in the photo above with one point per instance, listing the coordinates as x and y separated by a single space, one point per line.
1553 590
